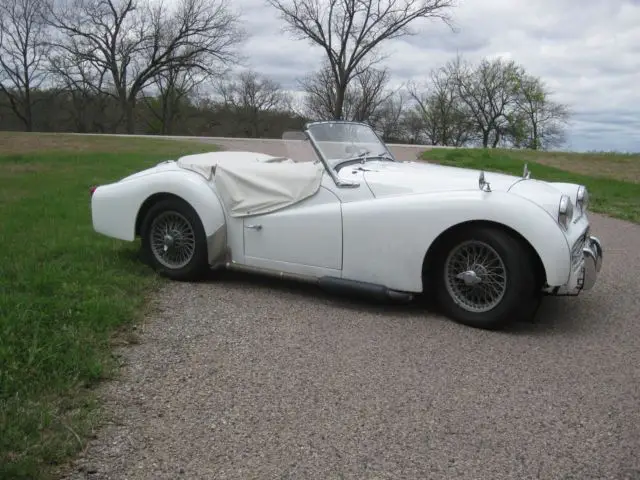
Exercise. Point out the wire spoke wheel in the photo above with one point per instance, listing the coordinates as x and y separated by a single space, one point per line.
173 239
475 276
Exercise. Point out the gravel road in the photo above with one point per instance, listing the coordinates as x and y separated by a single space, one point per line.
243 377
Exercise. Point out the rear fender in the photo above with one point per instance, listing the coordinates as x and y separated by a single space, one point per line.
116 206
386 240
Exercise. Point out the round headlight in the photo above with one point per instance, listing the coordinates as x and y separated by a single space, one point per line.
565 211
582 198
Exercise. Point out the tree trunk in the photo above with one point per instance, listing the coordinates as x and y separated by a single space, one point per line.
28 121
130 122
536 142
128 104
28 116
339 105
485 138
496 139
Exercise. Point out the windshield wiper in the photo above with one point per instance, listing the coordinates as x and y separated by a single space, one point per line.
363 155
385 155
363 158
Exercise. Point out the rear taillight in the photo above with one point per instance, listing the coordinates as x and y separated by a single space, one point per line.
92 189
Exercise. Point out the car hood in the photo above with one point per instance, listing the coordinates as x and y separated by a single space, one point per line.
387 179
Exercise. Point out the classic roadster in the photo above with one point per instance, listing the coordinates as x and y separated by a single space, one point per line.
342 212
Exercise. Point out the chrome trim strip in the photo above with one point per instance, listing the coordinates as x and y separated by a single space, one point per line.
272 273
339 183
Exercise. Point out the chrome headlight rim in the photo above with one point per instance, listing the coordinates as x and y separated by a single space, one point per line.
565 211
582 198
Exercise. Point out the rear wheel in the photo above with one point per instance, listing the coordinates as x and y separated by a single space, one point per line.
174 241
484 278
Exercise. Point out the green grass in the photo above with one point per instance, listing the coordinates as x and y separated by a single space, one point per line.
66 293
620 199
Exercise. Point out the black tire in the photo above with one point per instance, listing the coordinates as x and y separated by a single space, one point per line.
193 262
517 299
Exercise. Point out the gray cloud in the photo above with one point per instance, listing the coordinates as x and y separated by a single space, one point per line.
587 53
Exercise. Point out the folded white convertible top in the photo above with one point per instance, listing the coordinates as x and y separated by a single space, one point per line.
206 163
257 188
251 183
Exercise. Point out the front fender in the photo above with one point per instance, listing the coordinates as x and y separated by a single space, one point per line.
115 207
386 240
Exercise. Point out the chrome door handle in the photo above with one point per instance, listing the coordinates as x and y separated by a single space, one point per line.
254 227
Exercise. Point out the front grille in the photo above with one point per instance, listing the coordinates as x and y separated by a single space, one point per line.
576 251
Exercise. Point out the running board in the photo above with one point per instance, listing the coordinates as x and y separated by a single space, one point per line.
337 285
334 285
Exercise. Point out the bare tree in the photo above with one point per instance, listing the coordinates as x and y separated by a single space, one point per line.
368 96
389 117
361 100
23 53
137 40
413 125
542 120
349 31
444 115
84 85
250 95
172 89
320 94
488 90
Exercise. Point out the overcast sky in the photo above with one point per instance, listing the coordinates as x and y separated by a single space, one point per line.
587 51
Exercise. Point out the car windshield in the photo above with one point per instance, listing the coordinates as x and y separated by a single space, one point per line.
340 142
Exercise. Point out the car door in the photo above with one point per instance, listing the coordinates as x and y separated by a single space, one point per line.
304 238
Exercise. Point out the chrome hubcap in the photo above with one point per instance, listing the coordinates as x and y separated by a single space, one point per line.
475 276
173 241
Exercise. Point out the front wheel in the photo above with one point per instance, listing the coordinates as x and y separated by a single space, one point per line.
174 241
485 278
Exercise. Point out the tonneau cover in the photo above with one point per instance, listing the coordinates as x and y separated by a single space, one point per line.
257 188
251 183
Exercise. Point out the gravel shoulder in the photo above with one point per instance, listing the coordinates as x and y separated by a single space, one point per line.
248 377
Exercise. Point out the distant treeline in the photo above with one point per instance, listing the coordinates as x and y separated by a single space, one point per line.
139 66
65 112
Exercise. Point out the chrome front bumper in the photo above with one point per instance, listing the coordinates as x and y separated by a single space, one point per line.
592 255
586 262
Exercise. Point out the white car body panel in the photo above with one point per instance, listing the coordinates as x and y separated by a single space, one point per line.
308 234
376 230
388 180
395 259
115 207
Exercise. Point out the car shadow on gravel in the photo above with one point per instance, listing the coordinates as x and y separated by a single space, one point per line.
310 290
555 315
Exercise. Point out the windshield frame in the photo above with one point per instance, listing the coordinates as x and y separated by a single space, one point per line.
332 165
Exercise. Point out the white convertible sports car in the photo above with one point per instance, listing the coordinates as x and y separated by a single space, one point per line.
341 211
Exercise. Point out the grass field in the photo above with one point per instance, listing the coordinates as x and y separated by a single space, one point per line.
66 293
613 180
